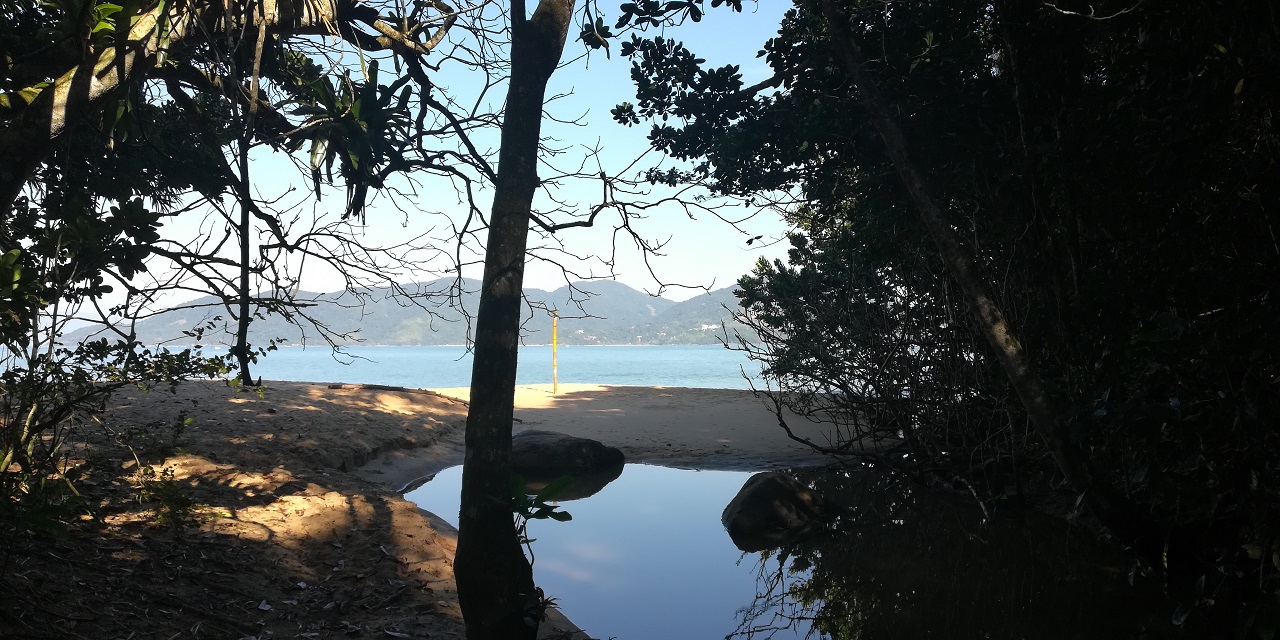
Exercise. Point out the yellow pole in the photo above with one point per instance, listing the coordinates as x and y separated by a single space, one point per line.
555 375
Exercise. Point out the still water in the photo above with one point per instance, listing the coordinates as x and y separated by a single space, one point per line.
706 367
644 558
647 557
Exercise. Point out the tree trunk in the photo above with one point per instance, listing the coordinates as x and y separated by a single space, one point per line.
81 93
241 347
1104 500
243 228
495 581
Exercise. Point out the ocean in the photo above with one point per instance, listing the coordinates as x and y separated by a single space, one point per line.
707 367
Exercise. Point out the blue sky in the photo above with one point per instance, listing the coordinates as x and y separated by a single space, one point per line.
706 251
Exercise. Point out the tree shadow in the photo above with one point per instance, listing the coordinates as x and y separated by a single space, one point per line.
275 538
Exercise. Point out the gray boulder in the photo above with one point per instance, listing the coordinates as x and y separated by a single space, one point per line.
771 509
543 456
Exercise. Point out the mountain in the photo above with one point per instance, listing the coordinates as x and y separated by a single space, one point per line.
591 312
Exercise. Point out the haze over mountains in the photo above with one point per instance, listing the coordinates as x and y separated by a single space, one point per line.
617 314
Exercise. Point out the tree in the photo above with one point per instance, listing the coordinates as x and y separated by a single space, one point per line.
988 317
495 581
68 251
869 347
216 73
51 93
1102 169
116 120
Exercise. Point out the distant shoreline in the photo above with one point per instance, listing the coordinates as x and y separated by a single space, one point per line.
435 346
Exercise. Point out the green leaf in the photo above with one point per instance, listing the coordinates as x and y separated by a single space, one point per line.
325 93
102 13
9 262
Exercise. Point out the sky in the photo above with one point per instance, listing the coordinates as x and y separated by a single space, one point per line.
706 251
701 251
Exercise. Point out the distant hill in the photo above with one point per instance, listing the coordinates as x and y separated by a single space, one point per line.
592 312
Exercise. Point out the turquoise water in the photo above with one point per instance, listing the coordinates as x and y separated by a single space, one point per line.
645 558
707 367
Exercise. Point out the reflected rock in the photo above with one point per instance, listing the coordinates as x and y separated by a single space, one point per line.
772 509
543 456
583 485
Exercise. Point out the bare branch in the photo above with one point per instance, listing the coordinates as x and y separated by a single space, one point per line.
1092 14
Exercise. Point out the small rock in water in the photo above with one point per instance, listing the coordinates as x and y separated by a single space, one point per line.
771 509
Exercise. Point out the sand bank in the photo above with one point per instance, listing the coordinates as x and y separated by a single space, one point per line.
723 429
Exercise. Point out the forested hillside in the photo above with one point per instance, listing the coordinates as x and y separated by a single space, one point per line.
595 312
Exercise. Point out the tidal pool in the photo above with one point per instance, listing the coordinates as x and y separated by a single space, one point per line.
647 557
644 558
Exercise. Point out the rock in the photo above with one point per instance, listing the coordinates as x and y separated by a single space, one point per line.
542 456
546 453
771 509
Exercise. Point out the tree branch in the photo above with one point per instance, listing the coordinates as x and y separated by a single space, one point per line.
82 91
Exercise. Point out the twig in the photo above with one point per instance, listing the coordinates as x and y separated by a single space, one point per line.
986 515
55 614
1093 14
382 603
161 598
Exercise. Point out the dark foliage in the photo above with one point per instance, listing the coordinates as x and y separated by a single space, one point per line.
1113 169
899 560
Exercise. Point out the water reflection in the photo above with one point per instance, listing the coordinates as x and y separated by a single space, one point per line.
895 561
583 485
645 558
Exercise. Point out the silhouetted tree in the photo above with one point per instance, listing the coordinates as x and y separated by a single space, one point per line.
1093 176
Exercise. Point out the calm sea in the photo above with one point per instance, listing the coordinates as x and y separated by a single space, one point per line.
708 367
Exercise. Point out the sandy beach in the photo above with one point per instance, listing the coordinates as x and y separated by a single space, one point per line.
295 525
723 429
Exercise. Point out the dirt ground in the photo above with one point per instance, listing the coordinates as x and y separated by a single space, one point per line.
248 523
276 515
